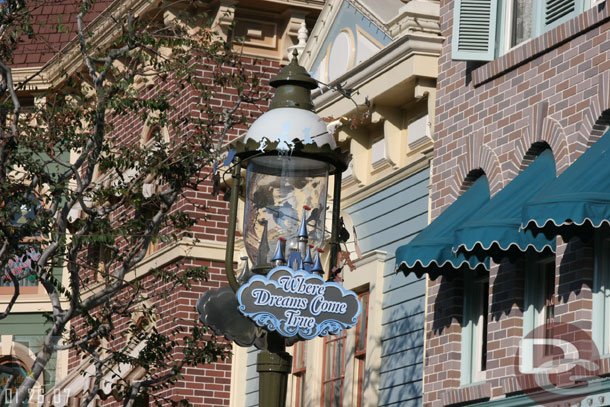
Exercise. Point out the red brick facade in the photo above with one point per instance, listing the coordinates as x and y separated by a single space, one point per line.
209 385
54 25
552 89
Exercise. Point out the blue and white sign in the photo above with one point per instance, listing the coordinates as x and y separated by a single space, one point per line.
298 303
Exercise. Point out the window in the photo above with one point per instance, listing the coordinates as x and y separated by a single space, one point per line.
601 294
23 262
333 370
98 256
299 370
520 21
539 309
486 29
474 329
20 266
360 345
20 368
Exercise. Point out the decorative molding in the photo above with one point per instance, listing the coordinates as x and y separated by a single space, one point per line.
542 128
103 28
398 52
257 33
318 34
417 16
224 18
302 37
185 248
294 36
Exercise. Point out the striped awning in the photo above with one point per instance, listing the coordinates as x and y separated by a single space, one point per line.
431 251
578 201
495 230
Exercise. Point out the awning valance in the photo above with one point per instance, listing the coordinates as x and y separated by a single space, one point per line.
495 230
578 201
431 250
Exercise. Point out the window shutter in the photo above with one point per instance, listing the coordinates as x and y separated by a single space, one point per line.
559 11
474 30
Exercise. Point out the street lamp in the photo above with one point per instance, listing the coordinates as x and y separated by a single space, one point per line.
288 155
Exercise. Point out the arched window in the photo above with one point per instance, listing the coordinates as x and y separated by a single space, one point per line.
18 367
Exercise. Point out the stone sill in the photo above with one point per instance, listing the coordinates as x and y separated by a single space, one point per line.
468 394
559 35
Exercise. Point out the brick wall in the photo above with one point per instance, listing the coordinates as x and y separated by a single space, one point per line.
207 385
553 89
54 25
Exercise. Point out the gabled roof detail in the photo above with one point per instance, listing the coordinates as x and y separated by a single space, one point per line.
350 32
350 38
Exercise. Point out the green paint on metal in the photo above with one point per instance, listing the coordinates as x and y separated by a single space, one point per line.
273 369
293 86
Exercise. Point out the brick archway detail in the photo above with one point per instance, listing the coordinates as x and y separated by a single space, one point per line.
477 156
544 128
596 118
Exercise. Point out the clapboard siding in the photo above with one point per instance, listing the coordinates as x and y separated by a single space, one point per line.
386 221
251 378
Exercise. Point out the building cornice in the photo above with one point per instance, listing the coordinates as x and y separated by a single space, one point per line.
103 28
401 50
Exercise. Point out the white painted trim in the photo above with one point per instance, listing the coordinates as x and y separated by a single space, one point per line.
402 54
205 250
601 294
239 363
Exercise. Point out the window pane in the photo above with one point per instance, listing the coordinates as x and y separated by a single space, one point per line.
521 24
338 356
328 362
332 381
328 392
337 393
361 382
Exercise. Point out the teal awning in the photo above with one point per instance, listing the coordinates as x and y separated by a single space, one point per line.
578 201
431 250
495 230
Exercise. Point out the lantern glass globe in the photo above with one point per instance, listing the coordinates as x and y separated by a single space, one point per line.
280 191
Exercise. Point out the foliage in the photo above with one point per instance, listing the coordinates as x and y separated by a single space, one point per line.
76 188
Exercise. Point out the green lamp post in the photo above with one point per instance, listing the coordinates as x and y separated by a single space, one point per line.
289 156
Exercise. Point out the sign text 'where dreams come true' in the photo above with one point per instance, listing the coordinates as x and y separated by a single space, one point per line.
298 303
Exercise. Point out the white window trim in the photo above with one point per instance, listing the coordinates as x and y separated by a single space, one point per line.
507 34
601 293
534 304
473 328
